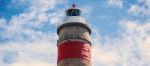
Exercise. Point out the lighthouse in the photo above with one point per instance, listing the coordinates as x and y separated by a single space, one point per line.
74 46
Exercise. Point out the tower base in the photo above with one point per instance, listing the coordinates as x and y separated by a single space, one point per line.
74 62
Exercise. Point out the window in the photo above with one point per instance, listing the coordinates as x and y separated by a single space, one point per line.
73 12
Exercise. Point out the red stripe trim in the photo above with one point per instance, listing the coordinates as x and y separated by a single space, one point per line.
74 49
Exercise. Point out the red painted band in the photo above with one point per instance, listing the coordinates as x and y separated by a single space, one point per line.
74 49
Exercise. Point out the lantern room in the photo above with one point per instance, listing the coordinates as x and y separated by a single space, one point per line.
73 11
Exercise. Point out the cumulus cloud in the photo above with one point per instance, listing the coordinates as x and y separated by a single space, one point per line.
28 39
134 9
139 37
140 10
129 48
32 23
102 56
2 22
31 40
29 54
118 3
33 64
86 10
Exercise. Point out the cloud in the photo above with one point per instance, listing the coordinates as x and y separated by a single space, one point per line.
140 10
129 48
102 56
31 40
86 9
28 39
2 22
2 25
32 24
145 49
139 37
36 53
118 3
33 64
135 9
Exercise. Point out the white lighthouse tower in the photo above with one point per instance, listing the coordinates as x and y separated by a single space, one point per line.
74 46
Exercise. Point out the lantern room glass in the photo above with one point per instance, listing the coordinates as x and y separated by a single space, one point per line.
73 12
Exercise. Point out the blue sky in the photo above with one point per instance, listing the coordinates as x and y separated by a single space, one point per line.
120 37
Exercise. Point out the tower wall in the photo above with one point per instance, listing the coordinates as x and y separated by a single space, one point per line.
74 48
74 32
74 53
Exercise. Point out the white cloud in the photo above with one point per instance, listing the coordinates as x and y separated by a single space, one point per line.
118 3
39 11
86 9
102 56
135 9
2 25
145 49
140 10
136 36
26 35
129 48
30 24
33 47
2 22
30 54
147 2
32 64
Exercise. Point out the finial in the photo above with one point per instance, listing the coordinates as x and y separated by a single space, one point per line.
73 5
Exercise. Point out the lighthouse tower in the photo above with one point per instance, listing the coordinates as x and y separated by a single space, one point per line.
74 46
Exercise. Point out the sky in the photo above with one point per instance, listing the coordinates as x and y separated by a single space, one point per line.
120 31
